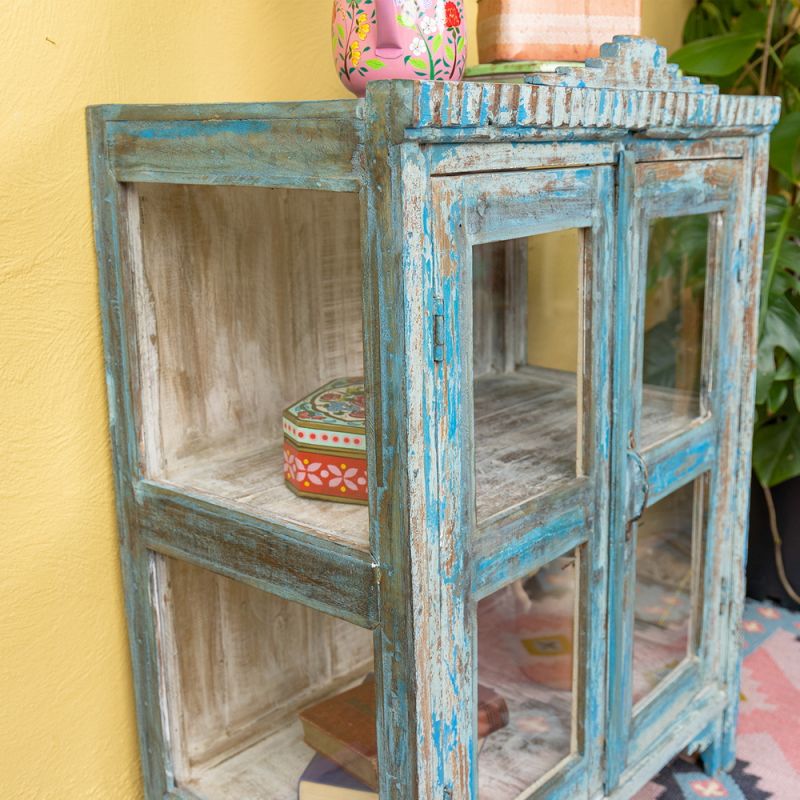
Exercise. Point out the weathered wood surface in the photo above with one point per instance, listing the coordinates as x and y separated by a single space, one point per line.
236 669
107 205
447 159
691 150
526 425
469 210
267 770
740 371
648 191
273 556
627 62
250 477
683 456
305 151
427 558
478 110
525 437
707 706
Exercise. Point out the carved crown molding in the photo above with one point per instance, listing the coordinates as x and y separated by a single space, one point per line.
628 62
631 87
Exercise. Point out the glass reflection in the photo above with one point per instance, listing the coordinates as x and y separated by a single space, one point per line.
526 657
674 320
668 546
526 351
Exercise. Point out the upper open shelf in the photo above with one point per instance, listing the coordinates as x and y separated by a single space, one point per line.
247 298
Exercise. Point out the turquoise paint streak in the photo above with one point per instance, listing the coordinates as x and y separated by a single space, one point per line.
189 129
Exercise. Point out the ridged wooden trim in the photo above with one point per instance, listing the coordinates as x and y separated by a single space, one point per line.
478 105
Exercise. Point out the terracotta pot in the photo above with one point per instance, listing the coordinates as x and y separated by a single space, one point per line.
552 30
379 39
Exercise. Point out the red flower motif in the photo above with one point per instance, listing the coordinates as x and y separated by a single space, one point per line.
452 16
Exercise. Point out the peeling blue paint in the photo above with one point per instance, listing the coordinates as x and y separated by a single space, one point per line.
189 129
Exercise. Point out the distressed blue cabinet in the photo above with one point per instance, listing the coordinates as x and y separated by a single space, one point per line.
551 291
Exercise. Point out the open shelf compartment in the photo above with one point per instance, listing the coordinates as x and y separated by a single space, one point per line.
238 665
246 299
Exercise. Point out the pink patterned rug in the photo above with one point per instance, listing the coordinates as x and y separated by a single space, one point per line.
768 751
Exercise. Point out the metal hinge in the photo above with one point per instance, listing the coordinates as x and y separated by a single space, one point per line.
438 329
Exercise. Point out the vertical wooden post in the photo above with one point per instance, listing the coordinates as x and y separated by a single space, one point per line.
136 559
421 643
749 234
621 581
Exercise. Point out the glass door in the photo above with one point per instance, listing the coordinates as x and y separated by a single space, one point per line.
677 267
524 263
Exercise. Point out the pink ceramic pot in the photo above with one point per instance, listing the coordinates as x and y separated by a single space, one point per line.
379 39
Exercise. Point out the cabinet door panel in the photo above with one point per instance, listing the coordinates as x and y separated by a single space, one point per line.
676 333
524 265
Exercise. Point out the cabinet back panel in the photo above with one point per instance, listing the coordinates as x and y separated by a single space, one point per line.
239 663
246 298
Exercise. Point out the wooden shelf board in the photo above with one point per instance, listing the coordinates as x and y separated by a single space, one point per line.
525 446
525 436
537 738
249 476
271 768
268 770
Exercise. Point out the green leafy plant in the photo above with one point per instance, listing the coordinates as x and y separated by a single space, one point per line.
753 47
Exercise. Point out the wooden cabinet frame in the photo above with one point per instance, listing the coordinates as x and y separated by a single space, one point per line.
436 163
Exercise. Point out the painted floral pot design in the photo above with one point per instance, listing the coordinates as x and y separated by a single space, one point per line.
413 39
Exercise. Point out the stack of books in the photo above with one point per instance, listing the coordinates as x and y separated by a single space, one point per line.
342 729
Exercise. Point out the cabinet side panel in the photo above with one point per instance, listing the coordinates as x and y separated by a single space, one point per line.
722 753
107 210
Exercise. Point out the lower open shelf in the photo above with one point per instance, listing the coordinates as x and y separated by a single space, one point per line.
241 667
271 768
243 664
268 770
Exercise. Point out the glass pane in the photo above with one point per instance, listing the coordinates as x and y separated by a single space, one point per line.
526 663
265 695
668 585
673 340
526 323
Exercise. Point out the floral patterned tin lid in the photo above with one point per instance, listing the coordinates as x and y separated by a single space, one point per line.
330 419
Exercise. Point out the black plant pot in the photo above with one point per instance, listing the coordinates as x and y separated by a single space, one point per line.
762 574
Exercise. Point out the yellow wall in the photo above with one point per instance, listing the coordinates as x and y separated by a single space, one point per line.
66 713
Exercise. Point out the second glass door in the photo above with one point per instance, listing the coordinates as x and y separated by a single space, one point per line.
675 274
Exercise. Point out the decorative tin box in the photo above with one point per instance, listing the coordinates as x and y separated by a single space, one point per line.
324 449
